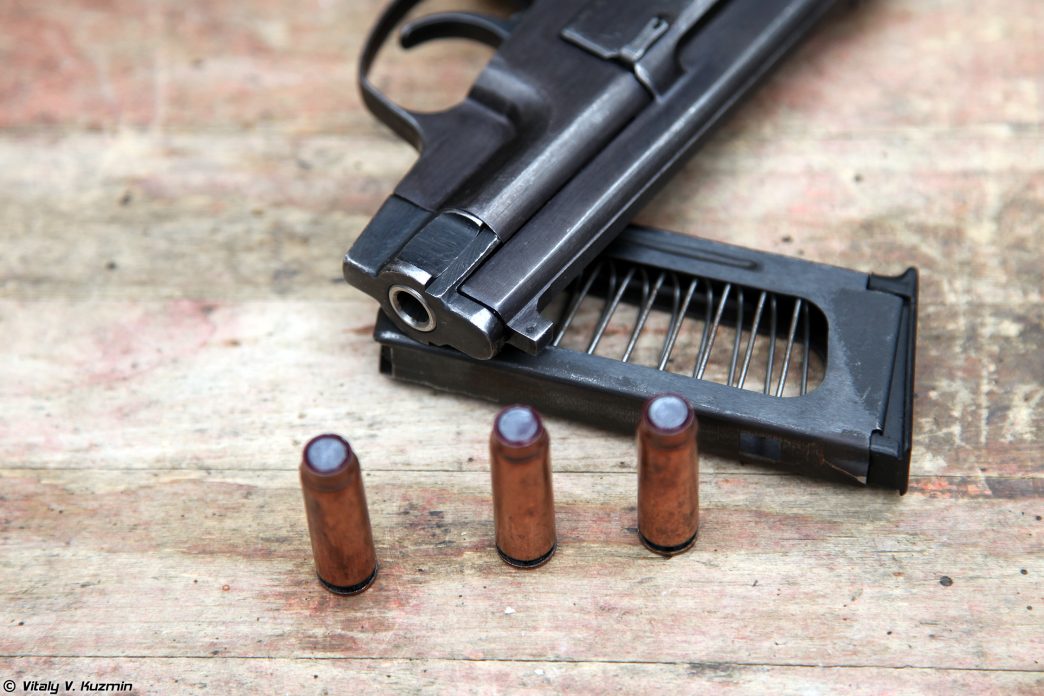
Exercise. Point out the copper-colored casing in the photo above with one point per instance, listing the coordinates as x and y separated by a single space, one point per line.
668 483
523 502
338 521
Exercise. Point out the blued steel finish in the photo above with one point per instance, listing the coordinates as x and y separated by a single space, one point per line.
857 421
523 502
668 475
584 111
338 519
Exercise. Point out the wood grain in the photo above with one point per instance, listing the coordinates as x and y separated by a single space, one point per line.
858 571
178 182
327 676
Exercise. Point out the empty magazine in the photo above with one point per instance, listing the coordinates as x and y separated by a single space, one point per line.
784 360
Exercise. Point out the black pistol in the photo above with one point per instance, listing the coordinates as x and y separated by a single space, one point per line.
586 108
512 229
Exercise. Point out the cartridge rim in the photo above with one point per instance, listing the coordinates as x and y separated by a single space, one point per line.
535 563
350 589
668 550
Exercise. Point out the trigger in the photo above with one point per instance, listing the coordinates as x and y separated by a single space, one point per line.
491 31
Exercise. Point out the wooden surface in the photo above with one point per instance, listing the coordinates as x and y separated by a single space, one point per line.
178 182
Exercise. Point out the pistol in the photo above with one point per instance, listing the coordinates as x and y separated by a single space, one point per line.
512 229
583 112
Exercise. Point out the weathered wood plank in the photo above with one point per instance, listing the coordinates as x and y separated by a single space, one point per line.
198 65
331 676
219 564
252 216
203 385
177 184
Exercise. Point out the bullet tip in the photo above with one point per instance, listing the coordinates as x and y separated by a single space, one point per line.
327 453
668 412
518 425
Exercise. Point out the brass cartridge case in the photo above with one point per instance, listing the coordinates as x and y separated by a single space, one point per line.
668 475
338 520
523 502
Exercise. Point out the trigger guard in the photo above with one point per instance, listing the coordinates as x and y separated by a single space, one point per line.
490 31
410 125
405 123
